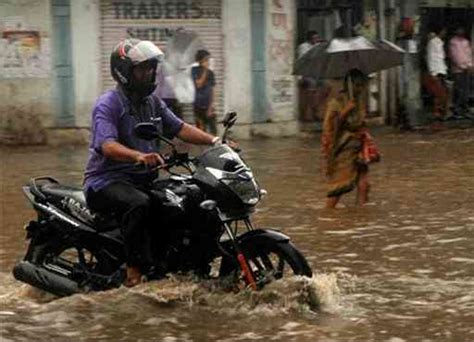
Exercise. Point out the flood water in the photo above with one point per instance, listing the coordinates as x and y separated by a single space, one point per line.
398 269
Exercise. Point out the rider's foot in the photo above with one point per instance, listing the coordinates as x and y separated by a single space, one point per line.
134 276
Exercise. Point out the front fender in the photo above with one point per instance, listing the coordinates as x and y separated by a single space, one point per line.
254 242
267 234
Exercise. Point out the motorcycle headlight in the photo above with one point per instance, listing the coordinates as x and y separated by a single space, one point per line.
241 182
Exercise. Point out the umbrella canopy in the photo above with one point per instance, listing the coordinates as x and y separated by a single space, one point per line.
336 57
179 57
181 51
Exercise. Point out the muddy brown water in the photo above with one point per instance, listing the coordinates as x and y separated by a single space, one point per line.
399 269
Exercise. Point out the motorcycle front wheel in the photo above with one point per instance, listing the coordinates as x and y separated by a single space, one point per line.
270 258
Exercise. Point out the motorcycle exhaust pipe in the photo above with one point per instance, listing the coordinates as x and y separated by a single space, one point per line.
46 280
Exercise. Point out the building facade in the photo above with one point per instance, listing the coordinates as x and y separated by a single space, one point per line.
395 96
54 56
54 60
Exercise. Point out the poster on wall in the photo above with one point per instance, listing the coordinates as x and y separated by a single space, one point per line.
23 52
281 51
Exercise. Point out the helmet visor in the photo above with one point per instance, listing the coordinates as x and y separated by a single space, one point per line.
144 51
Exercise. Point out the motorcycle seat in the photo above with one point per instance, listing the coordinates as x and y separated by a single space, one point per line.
63 191
101 222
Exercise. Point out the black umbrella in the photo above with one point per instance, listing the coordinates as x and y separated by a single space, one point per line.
334 59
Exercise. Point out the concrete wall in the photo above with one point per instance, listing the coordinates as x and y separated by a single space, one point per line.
280 49
33 94
25 82
237 59
281 84
410 75
85 31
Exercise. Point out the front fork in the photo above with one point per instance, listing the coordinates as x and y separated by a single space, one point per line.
243 263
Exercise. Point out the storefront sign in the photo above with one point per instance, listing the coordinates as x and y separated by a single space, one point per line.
147 10
152 33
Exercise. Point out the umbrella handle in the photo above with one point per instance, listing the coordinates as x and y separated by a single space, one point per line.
349 87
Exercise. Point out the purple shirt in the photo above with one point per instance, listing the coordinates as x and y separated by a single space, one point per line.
113 119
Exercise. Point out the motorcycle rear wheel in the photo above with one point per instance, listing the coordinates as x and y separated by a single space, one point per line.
88 267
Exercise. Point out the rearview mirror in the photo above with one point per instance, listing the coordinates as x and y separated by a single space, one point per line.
149 131
229 119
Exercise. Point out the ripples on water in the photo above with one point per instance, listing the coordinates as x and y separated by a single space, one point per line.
400 269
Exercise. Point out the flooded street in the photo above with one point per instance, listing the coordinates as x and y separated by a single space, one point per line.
398 269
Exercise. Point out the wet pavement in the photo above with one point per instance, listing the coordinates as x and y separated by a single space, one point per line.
398 269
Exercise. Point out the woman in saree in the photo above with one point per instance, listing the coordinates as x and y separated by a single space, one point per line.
346 144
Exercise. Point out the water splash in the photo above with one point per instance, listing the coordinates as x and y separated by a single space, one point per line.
320 293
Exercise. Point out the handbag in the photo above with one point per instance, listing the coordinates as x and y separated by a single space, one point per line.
370 152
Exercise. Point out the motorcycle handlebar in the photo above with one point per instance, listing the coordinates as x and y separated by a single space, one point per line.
178 159
174 159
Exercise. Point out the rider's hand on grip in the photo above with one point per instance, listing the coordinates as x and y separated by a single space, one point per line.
149 159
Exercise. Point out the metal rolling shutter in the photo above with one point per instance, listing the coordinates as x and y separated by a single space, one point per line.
155 20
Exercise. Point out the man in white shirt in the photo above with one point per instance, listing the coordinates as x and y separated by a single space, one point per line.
437 70
312 38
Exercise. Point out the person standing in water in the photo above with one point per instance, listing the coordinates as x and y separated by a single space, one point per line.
346 144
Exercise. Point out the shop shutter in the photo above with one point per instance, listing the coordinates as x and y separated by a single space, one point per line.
156 20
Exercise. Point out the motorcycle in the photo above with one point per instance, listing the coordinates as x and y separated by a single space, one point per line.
204 218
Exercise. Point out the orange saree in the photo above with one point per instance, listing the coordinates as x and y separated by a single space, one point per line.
342 145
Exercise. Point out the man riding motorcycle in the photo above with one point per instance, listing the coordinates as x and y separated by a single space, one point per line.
113 181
